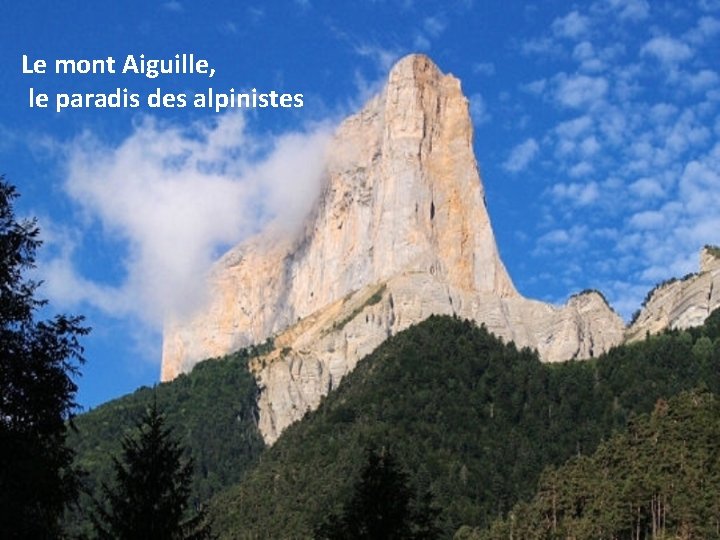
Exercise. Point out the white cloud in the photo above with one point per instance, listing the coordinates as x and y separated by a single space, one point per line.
174 6
176 197
667 50
521 156
706 29
572 26
484 68
647 188
703 80
700 184
383 57
541 46
536 87
563 240
579 91
435 25
577 193
572 129
421 43
632 10
478 110
581 169
649 219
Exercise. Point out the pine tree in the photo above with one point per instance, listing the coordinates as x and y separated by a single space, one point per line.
383 507
152 487
37 362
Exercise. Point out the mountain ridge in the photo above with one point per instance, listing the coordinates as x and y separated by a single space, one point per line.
403 212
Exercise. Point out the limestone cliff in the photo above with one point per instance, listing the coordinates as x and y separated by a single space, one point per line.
681 303
400 231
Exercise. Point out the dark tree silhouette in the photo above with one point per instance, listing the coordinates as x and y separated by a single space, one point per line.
37 362
152 488
383 507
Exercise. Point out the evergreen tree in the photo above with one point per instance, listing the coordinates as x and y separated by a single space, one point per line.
37 362
152 488
383 507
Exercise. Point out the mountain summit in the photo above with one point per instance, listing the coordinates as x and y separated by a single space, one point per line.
401 231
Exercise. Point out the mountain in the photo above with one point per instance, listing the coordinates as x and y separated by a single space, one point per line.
474 421
680 303
401 231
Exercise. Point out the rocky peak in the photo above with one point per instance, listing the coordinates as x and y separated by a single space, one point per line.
681 303
709 258
401 231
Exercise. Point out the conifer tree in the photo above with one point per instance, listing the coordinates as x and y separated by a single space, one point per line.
38 360
152 489
383 507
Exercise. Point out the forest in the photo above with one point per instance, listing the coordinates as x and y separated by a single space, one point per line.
478 427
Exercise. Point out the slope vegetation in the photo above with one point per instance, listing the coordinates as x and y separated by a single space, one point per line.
474 421
212 411
660 479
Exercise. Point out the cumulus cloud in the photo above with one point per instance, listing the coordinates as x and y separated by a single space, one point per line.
667 50
706 29
521 156
572 26
578 91
647 188
628 148
577 194
175 197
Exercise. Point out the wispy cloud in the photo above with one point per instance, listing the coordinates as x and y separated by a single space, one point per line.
174 6
521 156
176 196
632 10
384 57
484 68
479 110
435 25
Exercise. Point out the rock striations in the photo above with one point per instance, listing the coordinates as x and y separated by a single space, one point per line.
681 303
400 232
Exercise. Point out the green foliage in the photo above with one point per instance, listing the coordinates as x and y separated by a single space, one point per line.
590 291
474 420
375 298
149 498
382 506
213 412
713 250
37 362
660 479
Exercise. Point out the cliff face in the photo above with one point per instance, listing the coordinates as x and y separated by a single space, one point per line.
401 231
681 303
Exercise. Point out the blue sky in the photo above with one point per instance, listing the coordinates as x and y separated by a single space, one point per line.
597 134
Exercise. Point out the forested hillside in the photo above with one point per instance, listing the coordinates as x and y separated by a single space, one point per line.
212 411
659 479
474 422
